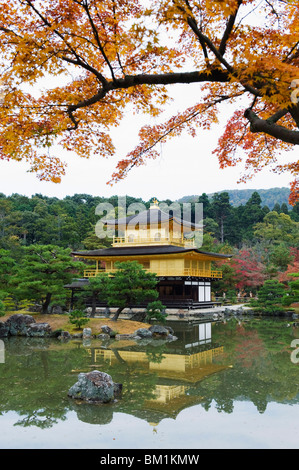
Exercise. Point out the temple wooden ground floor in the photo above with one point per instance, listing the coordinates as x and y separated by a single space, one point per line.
174 292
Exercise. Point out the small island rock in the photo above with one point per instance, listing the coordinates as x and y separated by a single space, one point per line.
158 330
95 386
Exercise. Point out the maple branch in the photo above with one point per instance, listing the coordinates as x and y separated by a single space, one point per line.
264 126
215 75
9 31
151 79
96 36
229 27
175 125
73 119
275 117
115 38
294 112
193 25
79 60
86 66
293 53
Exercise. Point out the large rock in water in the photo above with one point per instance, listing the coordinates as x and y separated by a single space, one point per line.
39 329
158 330
4 329
143 333
25 325
19 324
95 386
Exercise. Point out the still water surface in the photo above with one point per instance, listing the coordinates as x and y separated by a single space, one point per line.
232 384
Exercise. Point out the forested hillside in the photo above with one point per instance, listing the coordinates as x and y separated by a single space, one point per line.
269 197
264 243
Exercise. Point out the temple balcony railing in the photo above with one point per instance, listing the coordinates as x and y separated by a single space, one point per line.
166 272
92 272
138 241
202 273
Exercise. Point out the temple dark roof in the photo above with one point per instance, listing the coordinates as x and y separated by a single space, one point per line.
154 216
145 250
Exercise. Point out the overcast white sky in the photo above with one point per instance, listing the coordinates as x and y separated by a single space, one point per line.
186 167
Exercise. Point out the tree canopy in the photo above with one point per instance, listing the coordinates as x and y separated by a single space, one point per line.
120 55
130 285
264 244
42 274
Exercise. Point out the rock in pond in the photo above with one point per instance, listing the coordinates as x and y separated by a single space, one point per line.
103 337
96 387
39 329
143 333
158 330
64 336
106 329
87 334
4 329
24 325
19 324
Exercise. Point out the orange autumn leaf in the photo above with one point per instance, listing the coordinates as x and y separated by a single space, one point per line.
103 60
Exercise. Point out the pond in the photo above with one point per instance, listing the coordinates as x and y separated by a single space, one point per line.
230 384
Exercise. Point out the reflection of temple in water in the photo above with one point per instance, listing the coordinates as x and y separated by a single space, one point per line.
178 368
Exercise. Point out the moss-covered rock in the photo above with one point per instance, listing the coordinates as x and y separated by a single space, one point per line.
94 386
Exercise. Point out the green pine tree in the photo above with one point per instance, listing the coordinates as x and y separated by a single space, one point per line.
130 285
97 289
293 295
42 274
270 297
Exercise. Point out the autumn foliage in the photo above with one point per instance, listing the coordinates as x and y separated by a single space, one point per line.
293 267
249 269
108 58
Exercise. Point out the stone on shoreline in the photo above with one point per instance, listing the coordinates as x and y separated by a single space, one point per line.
19 324
39 329
64 336
158 330
143 333
4 329
106 330
103 337
87 333
25 325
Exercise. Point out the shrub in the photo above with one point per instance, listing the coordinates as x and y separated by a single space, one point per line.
156 310
270 297
78 318
2 309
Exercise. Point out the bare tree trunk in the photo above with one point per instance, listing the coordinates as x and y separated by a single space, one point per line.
94 305
46 303
117 313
